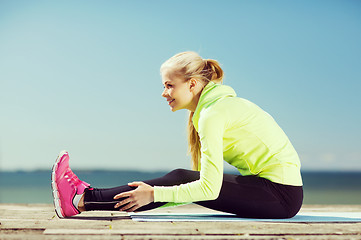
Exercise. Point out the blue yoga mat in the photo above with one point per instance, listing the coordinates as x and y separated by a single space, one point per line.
225 217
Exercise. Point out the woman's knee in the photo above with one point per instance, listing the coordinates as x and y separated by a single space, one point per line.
178 171
183 175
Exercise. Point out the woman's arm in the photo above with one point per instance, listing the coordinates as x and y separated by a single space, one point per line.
211 127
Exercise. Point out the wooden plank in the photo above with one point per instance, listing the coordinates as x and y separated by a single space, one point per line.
34 221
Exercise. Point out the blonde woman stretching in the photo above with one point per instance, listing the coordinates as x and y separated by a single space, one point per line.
221 127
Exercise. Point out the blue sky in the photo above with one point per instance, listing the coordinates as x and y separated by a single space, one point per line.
84 76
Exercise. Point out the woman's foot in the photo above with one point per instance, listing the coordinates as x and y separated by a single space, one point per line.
68 189
81 205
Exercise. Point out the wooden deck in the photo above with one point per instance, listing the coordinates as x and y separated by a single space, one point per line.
38 221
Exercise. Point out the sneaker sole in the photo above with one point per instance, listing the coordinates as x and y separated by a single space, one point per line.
57 204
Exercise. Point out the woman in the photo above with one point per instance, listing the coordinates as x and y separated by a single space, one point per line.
221 127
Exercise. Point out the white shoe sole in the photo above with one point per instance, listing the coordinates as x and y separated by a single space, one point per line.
55 188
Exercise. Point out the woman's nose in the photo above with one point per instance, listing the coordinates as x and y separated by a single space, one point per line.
164 93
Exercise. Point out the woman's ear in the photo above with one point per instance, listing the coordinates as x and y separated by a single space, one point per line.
193 83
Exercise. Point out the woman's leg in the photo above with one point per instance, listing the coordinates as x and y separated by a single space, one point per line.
103 199
246 196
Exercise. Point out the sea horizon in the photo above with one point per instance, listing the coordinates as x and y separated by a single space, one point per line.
34 186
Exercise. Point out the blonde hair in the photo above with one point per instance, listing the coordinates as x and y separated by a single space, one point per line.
191 65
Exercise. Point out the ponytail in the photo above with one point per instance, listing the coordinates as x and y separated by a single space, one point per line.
213 71
194 144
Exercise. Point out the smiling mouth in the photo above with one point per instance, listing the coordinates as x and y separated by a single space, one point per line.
171 101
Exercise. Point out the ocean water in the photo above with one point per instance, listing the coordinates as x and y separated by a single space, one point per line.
35 186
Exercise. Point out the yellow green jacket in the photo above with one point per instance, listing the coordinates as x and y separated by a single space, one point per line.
237 131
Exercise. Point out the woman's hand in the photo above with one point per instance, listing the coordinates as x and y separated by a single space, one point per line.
142 195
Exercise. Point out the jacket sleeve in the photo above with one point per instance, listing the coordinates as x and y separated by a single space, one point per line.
211 127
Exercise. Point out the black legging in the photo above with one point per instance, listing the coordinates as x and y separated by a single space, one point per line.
246 196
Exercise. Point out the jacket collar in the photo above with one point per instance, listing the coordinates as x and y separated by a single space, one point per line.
211 93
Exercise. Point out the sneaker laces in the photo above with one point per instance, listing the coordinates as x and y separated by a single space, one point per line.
72 178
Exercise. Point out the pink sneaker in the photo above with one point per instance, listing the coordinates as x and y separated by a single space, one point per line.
67 187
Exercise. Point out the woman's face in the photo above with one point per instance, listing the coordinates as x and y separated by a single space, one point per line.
177 91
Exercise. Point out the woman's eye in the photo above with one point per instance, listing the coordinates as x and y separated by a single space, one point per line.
168 86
